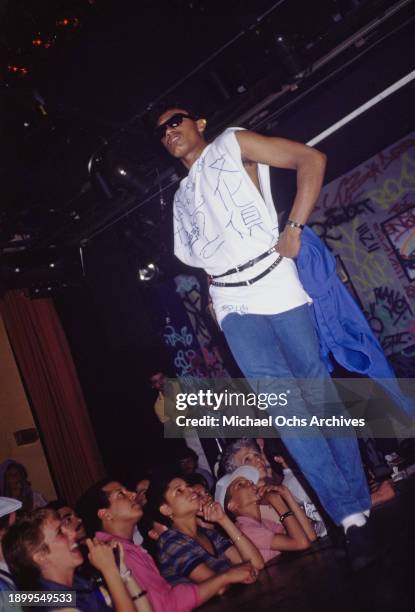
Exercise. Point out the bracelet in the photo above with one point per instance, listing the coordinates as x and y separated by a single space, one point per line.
142 594
295 224
286 515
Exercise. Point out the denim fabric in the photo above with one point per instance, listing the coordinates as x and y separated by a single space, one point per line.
285 346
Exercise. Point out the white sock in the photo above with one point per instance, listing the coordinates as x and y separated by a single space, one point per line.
357 519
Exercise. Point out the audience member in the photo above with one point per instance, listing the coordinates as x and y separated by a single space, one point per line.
141 498
71 523
246 451
69 518
166 414
141 489
152 529
42 557
111 511
8 508
14 483
188 463
239 495
158 381
187 550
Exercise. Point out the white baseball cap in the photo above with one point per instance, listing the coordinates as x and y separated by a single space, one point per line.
244 471
9 505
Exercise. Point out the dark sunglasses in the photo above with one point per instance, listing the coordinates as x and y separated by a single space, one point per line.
172 122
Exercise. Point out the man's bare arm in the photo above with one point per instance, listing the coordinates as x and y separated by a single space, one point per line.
309 164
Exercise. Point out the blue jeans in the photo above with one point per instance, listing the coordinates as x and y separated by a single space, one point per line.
285 346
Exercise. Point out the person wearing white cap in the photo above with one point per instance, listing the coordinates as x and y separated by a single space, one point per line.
8 508
240 496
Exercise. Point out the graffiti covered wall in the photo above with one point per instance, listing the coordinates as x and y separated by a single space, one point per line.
185 333
367 219
211 365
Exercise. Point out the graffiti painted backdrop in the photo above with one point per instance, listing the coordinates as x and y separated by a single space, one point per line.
185 332
367 219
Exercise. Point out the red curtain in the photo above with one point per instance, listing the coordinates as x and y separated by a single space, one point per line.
46 366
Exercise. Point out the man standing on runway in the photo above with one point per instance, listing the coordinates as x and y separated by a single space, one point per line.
226 223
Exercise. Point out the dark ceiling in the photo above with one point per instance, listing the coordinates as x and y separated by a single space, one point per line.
80 75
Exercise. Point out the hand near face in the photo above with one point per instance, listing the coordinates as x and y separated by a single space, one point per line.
101 555
265 492
280 490
213 512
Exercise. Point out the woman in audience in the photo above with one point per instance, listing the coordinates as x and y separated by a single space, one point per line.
152 530
187 550
240 496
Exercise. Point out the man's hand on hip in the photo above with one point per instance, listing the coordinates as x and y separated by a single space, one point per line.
289 242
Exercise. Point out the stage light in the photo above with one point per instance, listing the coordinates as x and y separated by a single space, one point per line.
18 70
51 265
148 272
67 22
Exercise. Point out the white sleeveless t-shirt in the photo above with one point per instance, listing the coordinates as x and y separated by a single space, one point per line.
221 221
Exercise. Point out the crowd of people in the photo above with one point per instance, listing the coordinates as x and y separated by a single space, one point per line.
169 541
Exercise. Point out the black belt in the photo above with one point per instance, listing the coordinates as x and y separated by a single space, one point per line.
251 280
244 266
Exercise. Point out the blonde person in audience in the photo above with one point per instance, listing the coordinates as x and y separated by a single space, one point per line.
43 556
